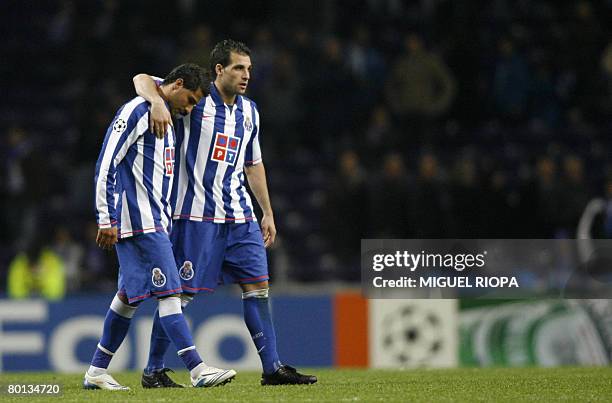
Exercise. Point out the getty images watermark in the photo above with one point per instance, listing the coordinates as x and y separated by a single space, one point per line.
486 268
457 262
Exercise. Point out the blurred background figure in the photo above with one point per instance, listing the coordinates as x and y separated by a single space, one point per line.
70 252
573 196
431 205
392 210
199 38
419 88
511 82
546 202
347 208
606 67
596 219
38 271
466 198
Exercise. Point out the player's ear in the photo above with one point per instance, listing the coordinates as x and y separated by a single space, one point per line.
218 68
178 83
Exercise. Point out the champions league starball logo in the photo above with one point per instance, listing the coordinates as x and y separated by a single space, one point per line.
412 336
158 278
186 271
119 126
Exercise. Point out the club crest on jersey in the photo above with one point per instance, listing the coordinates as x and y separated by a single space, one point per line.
158 278
248 124
119 126
226 148
186 271
169 160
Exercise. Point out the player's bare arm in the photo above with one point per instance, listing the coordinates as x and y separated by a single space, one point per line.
159 117
107 237
256 175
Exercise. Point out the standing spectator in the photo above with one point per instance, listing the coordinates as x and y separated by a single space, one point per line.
71 253
596 219
37 271
573 196
14 186
200 37
510 82
431 206
498 207
596 223
365 62
28 182
347 208
281 101
544 105
380 134
585 43
391 200
466 197
606 66
540 200
332 72
420 87
264 49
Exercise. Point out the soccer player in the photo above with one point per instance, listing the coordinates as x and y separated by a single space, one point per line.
140 167
215 235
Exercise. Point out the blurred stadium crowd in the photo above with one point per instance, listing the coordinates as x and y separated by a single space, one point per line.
381 118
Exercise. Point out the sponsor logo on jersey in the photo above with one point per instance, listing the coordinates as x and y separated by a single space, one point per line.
226 148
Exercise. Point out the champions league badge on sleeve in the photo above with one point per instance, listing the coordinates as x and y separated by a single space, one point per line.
119 126
158 278
186 271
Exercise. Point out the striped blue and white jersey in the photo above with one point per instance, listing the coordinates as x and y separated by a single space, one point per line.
215 142
134 174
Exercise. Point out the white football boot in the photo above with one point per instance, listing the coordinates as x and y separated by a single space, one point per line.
103 381
211 376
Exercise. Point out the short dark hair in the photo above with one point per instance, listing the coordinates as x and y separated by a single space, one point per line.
194 77
222 51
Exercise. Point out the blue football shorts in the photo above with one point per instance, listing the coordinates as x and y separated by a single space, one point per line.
147 267
210 254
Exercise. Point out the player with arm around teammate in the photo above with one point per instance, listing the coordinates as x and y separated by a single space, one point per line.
140 168
216 237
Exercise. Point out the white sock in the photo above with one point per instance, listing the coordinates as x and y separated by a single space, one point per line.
95 371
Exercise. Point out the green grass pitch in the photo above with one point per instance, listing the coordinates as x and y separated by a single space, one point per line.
453 385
